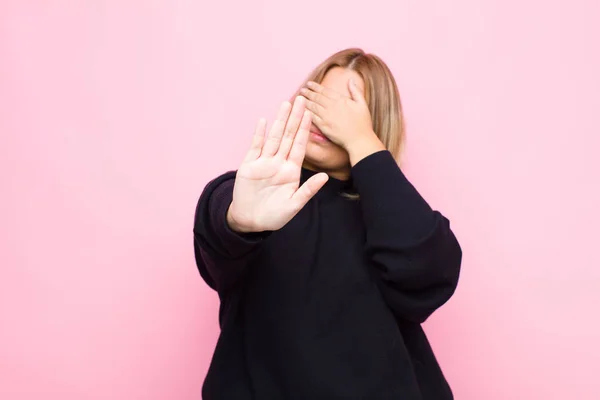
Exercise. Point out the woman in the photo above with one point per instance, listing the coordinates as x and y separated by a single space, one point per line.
325 257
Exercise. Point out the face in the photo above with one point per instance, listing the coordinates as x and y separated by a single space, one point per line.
321 154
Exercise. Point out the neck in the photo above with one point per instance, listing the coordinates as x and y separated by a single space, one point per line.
342 174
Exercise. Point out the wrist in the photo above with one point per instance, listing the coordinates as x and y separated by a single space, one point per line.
364 147
233 224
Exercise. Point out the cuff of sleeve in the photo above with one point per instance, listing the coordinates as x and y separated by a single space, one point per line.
375 168
235 242
246 237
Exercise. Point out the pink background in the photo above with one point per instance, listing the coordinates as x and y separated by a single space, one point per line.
114 114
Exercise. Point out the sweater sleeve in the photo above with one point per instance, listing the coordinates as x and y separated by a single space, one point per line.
222 255
417 255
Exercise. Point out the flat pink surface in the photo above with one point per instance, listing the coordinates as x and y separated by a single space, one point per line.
114 114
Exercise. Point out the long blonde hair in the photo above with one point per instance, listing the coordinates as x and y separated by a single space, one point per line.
381 93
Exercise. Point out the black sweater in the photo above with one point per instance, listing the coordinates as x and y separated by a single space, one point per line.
331 305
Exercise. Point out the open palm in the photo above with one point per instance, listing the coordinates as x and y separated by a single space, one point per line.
267 192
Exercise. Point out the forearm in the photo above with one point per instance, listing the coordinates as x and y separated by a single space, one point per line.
221 253
391 205
411 245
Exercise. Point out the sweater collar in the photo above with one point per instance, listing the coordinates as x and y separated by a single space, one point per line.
332 186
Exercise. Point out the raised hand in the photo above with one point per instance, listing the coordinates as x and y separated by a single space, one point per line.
267 192
346 121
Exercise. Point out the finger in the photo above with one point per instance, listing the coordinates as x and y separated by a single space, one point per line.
299 146
257 141
315 97
315 108
322 90
291 127
318 121
272 142
309 189
355 92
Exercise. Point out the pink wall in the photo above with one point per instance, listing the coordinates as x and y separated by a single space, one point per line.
114 114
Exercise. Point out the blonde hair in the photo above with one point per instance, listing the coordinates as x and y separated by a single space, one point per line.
381 93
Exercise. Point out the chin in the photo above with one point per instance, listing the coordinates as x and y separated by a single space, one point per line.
326 158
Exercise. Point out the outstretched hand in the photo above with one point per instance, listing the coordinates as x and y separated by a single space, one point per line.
267 192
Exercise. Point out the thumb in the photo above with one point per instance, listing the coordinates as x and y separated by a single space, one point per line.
309 189
355 92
